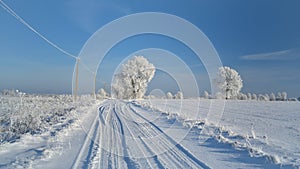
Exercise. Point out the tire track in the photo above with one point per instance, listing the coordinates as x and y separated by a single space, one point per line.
132 135
130 163
173 142
120 122
87 146
169 157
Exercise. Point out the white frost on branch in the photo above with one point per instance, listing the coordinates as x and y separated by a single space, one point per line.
229 82
132 81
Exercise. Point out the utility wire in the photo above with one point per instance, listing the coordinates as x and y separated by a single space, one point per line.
20 19
10 11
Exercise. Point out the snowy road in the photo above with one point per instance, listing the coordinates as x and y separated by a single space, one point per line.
126 137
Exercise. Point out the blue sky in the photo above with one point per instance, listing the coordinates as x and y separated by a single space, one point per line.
260 39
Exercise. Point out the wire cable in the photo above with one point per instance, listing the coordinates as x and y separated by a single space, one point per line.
10 11
21 20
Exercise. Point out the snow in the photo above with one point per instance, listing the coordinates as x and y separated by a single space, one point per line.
158 133
269 129
53 116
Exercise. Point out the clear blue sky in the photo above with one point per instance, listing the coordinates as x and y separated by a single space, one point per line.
260 39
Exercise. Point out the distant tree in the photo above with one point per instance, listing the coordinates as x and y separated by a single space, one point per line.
262 97
284 96
293 99
6 92
249 96
179 95
132 81
244 97
169 95
102 93
267 97
239 96
272 97
219 95
279 96
206 95
254 96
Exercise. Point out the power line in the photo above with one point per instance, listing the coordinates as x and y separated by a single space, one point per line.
21 20
10 11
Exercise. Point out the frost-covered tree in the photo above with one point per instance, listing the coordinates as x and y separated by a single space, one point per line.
132 81
102 93
284 96
262 97
219 95
267 97
229 82
6 92
179 95
249 96
206 95
242 96
279 96
272 97
254 96
169 95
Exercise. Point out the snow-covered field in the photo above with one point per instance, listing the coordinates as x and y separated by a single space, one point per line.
31 126
264 129
148 134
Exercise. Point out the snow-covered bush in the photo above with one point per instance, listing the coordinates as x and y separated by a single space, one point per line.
36 114
229 82
179 95
169 95
132 81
